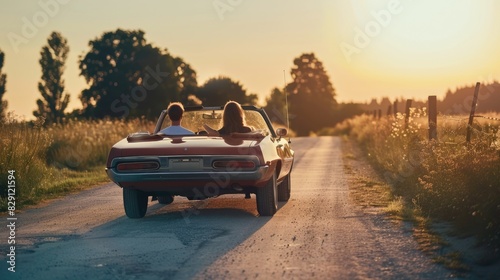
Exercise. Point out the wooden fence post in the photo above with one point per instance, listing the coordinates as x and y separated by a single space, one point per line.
472 111
407 112
389 111
395 108
432 103
379 113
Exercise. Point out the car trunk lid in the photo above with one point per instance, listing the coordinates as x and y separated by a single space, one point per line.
186 145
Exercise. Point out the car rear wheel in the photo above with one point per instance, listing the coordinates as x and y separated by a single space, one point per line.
284 189
267 198
135 203
165 199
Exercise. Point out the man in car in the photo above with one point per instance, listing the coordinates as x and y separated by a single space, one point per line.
174 112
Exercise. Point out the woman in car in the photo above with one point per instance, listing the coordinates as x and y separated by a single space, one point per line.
233 121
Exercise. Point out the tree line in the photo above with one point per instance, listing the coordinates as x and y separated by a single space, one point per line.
457 102
128 77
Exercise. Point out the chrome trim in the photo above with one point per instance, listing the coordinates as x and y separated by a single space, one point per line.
163 160
118 177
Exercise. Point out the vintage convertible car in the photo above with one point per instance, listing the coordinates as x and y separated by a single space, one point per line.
201 166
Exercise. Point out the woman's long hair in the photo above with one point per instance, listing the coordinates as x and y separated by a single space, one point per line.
233 118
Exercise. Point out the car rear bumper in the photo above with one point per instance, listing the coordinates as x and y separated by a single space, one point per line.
138 179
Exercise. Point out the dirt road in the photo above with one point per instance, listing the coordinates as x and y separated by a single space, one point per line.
318 234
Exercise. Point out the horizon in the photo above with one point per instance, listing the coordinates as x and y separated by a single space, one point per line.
376 49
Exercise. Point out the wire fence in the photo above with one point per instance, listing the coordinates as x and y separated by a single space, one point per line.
487 132
489 118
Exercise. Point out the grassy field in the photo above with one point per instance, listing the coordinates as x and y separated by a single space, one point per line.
447 179
54 160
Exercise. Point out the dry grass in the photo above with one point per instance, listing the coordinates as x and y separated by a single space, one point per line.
80 145
50 161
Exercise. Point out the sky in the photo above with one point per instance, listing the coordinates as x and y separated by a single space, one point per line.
370 49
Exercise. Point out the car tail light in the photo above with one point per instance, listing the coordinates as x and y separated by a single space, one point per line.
233 164
137 166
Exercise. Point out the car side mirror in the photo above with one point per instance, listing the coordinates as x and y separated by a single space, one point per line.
281 132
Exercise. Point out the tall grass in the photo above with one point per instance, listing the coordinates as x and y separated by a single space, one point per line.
50 159
80 145
447 179
21 149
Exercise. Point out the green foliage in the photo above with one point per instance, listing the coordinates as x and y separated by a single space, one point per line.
218 91
130 78
276 106
3 82
344 112
311 95
447 179
53 58
347 111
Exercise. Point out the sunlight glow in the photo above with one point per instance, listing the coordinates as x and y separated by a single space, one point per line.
418 43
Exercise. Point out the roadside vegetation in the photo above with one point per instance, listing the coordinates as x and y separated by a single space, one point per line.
59 158
445 180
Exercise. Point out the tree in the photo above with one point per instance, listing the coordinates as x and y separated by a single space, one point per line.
460 101
188 84
276 106
311 95
53 58
129 77
3 82
347 111
217 91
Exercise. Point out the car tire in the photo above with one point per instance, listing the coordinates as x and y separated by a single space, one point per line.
284 189
135 203
165 199
267 198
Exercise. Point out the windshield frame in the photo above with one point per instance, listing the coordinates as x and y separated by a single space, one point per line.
247 108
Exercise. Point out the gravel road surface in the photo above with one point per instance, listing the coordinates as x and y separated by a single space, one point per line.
318 234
